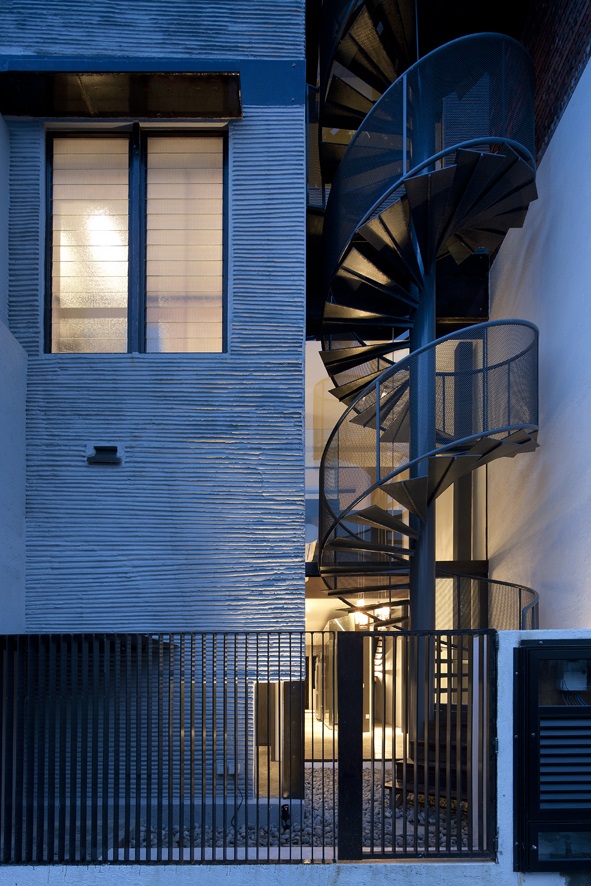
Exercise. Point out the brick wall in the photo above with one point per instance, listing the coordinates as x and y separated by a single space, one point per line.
558 37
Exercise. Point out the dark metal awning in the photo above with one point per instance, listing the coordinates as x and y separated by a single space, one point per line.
120 94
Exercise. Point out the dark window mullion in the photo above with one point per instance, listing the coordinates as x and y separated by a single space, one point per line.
137 214
225 241
47 312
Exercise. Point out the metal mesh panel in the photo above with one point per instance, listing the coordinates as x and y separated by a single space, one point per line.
511 607
485 385
472 603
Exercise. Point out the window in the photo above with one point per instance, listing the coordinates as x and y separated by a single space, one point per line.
136 242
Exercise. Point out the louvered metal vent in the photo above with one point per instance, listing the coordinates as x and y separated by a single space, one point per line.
552 775
565 763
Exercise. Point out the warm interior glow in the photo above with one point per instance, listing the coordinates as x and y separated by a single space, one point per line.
361 618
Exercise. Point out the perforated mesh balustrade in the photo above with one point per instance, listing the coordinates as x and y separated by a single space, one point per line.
484 401
476 92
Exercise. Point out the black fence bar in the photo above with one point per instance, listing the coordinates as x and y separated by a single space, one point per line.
230 748
350 699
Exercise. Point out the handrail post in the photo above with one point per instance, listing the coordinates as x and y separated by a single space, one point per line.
350 751
404 123
503 65
485 379
422 440
378 433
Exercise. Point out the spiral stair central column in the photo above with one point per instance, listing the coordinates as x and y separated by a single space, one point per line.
423 436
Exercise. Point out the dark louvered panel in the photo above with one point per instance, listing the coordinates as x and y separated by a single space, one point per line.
565 763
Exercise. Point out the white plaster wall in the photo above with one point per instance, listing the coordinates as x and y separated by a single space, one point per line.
540 504
424 873
13 369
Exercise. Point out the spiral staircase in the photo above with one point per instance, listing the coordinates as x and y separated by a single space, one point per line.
422 163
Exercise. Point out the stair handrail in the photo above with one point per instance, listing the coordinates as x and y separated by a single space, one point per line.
513 129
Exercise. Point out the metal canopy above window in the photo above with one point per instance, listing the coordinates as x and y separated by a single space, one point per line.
120 94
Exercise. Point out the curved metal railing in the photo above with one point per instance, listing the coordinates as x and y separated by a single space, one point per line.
474 91
485 386
468 602
473 602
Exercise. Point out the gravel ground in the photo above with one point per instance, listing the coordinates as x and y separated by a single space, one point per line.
410 829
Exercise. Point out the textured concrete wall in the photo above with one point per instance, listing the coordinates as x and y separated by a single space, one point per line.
178 28
202 525
4 197
540 504
13 373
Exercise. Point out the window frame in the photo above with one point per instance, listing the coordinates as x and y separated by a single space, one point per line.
137 135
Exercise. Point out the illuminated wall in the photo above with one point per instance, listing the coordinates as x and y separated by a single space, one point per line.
540 504
201 526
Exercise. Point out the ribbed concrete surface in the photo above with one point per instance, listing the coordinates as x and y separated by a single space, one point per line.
202 526
191 28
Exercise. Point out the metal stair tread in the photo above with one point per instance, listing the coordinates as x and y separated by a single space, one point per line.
344 107
367 416
396 430
484 173
411 494
343 314
348 358
379 297
348 392
360 544
368 589
375 63
377 516
396 224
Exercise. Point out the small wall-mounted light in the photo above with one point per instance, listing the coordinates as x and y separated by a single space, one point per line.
103 455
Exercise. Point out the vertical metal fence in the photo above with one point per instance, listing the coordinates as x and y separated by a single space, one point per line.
225 747
426 729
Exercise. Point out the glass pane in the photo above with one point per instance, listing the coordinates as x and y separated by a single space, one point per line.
184 274
563 681
563 845
89 248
